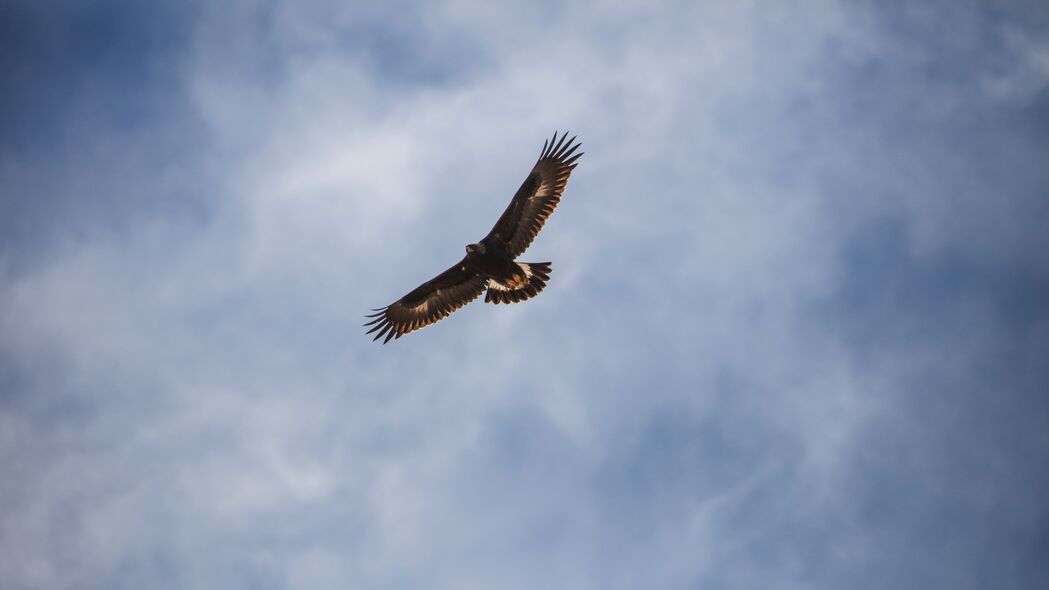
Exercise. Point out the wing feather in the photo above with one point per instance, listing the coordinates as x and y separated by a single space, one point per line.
429 303
535 201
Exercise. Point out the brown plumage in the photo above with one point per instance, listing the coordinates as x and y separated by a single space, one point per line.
490 264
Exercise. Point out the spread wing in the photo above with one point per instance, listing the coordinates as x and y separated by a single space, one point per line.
537 197
430 302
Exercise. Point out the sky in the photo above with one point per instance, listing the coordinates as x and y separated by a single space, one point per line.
795 336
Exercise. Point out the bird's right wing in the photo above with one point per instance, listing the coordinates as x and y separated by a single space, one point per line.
430 302
535 200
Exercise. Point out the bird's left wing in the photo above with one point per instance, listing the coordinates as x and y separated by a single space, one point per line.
430 302
535 200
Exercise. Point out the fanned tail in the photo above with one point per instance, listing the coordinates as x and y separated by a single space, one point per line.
536 274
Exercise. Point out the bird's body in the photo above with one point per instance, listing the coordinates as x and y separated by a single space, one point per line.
494 263
491 263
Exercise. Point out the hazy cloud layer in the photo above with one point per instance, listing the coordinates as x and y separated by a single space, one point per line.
795 335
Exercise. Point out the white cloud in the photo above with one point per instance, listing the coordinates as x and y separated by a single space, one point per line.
198 397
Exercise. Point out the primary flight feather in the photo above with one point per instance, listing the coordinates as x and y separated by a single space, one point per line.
491 263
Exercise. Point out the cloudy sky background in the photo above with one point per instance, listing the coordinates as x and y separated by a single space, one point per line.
796 334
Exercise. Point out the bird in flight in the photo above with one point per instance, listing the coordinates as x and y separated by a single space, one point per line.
491 263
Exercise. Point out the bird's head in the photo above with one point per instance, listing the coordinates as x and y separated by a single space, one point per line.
475 248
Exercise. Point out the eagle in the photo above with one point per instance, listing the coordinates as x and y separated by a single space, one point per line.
490 264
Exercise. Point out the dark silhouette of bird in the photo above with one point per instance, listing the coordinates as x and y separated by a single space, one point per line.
491 263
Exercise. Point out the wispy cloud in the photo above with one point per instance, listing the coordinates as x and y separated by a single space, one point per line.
794 335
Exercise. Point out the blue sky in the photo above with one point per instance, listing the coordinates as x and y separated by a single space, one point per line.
795 337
